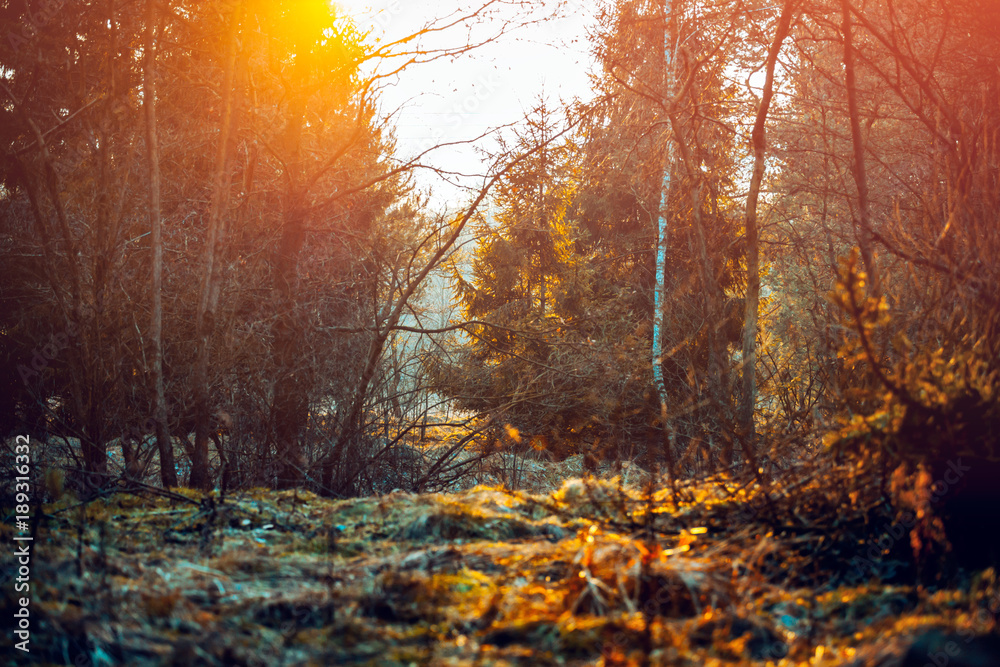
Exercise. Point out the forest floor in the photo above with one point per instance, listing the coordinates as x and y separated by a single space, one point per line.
596 571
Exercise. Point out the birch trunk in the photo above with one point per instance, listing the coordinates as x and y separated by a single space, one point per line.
662 230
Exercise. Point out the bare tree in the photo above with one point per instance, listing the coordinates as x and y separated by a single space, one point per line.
388 321
211 285
752 305
857 143
168 474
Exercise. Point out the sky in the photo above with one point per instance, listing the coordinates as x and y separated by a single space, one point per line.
459 99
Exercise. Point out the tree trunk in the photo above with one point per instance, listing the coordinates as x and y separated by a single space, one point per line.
168 473
290 405
860 176
758 138
662 235
205 319
81 359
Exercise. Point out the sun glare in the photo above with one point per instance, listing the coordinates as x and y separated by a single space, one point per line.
303 24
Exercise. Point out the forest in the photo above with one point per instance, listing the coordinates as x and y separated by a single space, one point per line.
702 368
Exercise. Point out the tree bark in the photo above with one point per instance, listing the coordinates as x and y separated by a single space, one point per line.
205 319
752 306
662 235
860 176
168 473
290 405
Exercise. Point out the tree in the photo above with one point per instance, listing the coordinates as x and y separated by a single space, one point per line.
168 474
857 143
759 140
525 290
662 237
700 258
209 299
302 151
880 127
70 131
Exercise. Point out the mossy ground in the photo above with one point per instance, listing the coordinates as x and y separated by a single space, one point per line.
594 572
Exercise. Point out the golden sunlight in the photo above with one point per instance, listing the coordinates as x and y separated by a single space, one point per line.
301 24
419 331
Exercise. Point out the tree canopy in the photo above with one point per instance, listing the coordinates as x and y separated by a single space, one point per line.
210 234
